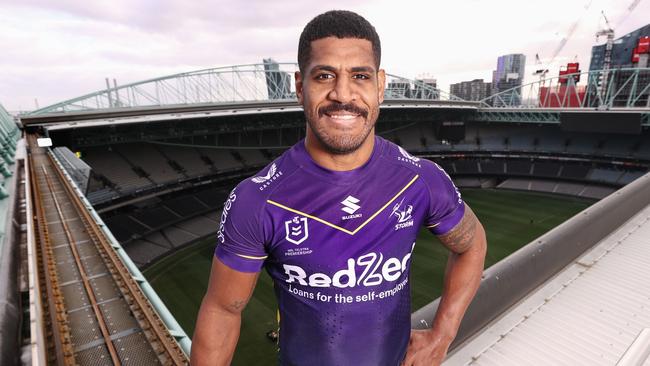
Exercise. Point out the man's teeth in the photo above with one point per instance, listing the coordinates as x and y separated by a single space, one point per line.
343 116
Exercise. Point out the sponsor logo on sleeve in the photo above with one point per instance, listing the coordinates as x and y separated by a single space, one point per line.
403 214
221 234
296 230
408 158
265 180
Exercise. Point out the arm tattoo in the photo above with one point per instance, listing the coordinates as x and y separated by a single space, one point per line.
236 305
460 238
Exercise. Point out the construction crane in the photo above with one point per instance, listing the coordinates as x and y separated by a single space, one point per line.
542 70
569 33
608 31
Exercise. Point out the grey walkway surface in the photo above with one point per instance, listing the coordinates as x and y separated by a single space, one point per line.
588 314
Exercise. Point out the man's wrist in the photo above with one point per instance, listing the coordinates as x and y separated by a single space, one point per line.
442 335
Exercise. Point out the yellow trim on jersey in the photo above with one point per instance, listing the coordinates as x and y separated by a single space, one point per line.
250 257
310 216
432 226
338 227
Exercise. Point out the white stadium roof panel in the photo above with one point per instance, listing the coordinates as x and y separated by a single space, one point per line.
588 314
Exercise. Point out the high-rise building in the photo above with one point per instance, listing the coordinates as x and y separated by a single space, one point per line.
629 51
475 89
623 51
278 83
509 74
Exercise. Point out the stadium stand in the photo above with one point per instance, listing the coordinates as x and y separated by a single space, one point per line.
571 189
492 167
604 175
505 156
519 167
185 206
546 169
466 167
151 247
149 159
156 217
628 177
222 159
105 162
574 171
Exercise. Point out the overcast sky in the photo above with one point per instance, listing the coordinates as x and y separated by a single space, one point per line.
53 50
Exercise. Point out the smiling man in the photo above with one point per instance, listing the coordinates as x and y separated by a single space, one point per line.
334 222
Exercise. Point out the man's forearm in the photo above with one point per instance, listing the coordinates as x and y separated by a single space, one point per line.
215 337
462 278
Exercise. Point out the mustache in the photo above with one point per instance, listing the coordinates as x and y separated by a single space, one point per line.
338 107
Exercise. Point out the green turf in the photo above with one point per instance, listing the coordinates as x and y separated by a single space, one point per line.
511 220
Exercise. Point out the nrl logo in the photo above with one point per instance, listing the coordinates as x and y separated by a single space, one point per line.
266 180
408 157
297 230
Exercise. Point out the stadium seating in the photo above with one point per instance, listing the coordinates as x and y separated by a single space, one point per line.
523 157
188 158
149 248
120 170
605 175
106 162
147 158
574 171
546 169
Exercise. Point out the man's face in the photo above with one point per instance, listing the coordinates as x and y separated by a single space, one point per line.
340 91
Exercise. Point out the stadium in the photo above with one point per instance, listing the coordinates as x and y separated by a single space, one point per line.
114 199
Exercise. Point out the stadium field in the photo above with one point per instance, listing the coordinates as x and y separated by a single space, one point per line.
511 219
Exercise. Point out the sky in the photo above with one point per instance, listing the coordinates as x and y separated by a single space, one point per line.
54 50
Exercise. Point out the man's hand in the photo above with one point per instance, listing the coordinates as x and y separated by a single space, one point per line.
426 348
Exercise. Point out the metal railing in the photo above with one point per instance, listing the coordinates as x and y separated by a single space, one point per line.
626 88
231 84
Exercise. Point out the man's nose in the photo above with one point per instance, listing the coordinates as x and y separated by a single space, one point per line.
342 91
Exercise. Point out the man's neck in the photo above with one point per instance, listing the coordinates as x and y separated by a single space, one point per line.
339 162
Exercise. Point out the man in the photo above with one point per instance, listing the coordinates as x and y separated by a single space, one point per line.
334 221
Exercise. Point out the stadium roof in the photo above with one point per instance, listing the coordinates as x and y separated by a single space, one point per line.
591 313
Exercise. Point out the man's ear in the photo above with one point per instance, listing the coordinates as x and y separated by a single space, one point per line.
381 87
298 78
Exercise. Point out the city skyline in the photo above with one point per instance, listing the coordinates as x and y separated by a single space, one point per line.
60 50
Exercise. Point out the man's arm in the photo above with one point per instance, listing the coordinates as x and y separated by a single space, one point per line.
219 319
468 245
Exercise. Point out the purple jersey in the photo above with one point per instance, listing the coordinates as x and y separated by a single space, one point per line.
338 247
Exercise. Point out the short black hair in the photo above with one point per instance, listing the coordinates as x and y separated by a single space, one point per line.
339 24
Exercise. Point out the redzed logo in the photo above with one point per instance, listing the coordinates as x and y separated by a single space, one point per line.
374 271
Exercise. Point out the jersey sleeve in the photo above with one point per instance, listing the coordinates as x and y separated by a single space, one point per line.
446 207
240 239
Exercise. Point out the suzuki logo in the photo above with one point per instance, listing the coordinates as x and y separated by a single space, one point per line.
350 204
297 230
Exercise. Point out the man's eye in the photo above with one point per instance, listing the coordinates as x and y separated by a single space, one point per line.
324 76
361 77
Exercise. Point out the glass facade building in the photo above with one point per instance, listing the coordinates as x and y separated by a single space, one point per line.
509 74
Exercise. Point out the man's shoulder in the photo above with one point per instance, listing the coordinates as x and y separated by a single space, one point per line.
430 172
398 155
261 184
